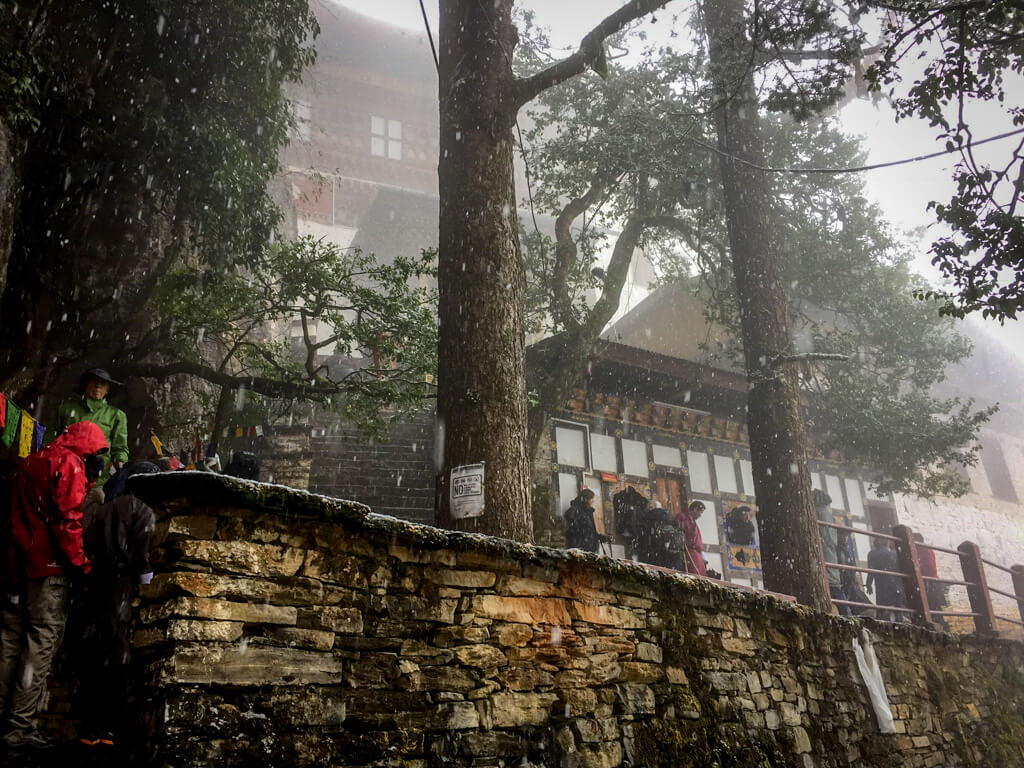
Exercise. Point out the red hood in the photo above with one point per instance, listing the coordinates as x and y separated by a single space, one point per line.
82 438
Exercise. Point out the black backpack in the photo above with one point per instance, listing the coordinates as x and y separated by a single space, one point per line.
630 507
245 465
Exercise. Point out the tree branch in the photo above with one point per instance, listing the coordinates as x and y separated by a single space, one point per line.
615 275
318 390
566 252
527 89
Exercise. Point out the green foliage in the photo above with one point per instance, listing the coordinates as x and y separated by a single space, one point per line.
973 57
366 334
157 138
642 139
851 292
19 88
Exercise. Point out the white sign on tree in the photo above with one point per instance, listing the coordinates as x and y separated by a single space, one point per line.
467 491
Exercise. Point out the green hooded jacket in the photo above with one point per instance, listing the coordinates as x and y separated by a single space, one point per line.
111 420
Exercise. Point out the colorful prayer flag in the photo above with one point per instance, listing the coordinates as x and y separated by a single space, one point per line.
3 410
11 427
157 445
26 432
37 439
238 432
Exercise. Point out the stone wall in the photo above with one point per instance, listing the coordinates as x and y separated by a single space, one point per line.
286 629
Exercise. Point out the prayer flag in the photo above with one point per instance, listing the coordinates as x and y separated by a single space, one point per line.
238 432
252 431
11 428
37 440
157 445
3 410
26 432
259 430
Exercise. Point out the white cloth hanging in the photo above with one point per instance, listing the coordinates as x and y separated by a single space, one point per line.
871 673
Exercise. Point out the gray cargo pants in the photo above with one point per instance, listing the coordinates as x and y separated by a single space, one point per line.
30 634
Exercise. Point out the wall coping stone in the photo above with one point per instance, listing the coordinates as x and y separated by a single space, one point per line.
183 492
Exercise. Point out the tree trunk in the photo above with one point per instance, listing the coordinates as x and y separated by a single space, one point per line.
481 277
790 543
10 194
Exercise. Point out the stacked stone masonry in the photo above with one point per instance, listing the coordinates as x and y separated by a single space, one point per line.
285 629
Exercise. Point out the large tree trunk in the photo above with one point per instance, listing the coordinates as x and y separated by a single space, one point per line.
10 194
481 379
790 543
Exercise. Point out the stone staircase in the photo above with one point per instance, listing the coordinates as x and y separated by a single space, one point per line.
394 476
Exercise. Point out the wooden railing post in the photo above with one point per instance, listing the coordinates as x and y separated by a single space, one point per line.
977 591
913 587
1017 574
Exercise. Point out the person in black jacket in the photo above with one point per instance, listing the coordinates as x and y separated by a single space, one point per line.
580 530
661 542
890 588
117 542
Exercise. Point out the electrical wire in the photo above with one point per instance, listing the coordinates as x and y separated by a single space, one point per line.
430 36
855 169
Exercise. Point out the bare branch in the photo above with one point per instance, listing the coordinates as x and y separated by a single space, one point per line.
317 390
588 53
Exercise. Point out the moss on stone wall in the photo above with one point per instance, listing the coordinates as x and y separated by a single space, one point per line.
284 628
706 744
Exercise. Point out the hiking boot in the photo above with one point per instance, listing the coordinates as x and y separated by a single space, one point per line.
19 739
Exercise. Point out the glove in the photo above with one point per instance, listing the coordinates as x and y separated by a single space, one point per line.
145 578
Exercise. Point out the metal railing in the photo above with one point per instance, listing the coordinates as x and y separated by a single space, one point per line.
972 566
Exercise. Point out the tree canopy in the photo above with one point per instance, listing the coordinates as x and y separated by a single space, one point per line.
307 321
958 65
632 151
146 135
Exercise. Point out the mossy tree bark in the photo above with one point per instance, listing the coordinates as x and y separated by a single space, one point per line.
790 543
481 276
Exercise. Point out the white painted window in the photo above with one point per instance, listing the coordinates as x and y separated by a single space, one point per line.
708 524
853 496
602 453
569 447
747 473
725 472
667 456
568 488
385 138
835 490
700 472
863 545
634 458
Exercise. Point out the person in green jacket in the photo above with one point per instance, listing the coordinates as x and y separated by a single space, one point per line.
91 405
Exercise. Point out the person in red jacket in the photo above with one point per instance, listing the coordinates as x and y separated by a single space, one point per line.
693 557
45 531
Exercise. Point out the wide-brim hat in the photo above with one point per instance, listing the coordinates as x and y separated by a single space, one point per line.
103 375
